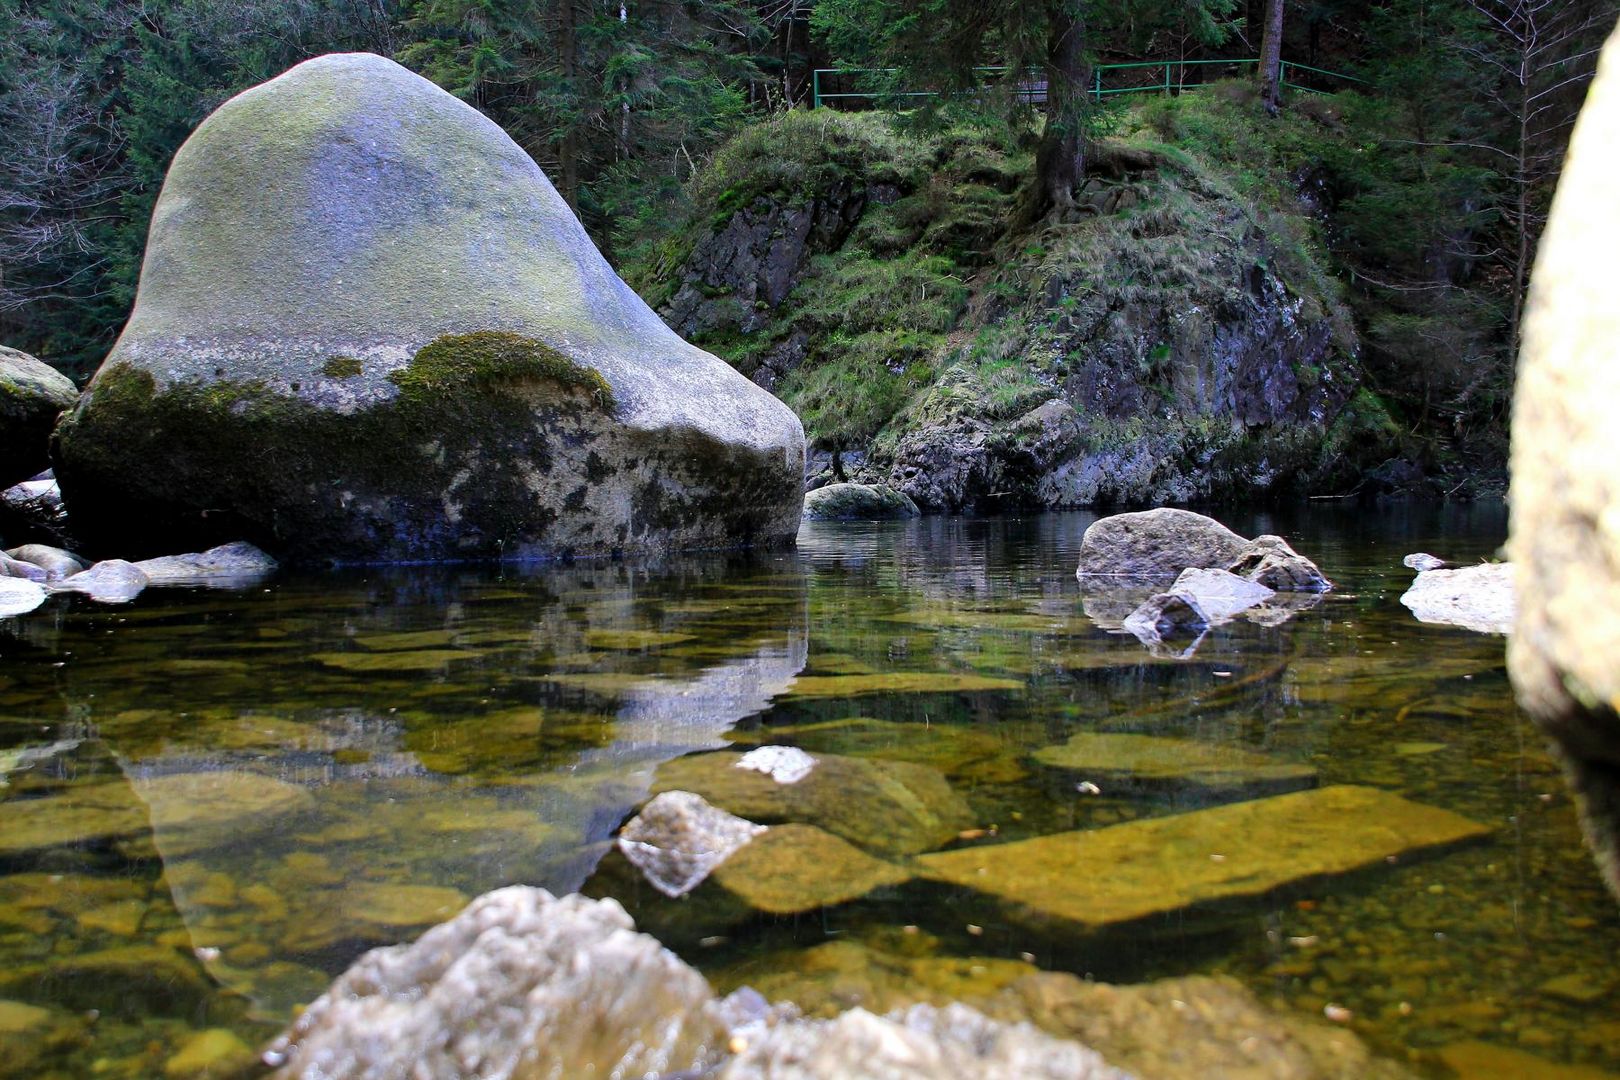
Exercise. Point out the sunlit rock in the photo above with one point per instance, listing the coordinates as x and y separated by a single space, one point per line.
56 562
16 568
228 566
32 395
678 839
1422 562
1154 546
1166 864
112 581
857 502
368 328
796 868
892 808
784 764
1473 597
19 596
1154 760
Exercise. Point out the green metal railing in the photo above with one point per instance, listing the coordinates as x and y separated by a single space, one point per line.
1034 90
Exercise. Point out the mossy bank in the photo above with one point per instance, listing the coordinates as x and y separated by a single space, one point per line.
1188 335
368 329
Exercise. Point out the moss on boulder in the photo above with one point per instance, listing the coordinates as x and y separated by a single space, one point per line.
369 329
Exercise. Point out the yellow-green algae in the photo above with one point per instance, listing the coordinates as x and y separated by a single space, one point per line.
1158 759
793 868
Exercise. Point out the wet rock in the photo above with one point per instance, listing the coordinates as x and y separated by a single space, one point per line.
391 906
111 581
1164 616
1137 760
16 568
790 869
1167 864
18 1018
520 985
375 390
56 563
889 808
1154 546
228 566
849 502
215 1054
1564 499
81 814
920 1043
19 596
1474 597
1221 594
1422 562
32 395
1190 1029
678 839
784 764
34 510
960 751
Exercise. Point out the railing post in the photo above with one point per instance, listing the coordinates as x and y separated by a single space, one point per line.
1097 83
815 88
1167 76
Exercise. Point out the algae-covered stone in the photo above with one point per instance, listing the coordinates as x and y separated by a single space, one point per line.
1153 759
851 502
83 814
32 395
191 812
891 808
1565 492
794 868
368 328
214 1054
1100 877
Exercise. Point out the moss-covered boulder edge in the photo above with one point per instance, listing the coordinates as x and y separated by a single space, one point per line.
369 330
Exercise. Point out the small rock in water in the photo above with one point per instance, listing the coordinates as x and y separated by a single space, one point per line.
784 764
1422 562
1479 598
679 838
112 581
1167 615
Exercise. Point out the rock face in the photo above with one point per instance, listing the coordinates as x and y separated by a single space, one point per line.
857 502
368 328
1472 597
1154 546
32 396
1565 495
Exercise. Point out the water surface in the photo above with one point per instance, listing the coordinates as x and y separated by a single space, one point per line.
215 801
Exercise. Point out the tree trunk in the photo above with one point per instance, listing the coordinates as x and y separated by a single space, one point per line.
1271 57
1059 160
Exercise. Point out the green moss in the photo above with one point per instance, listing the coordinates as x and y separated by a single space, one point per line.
341 367
490 357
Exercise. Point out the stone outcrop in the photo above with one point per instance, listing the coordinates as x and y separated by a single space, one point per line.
524 986
1155 546
368 328
1564 655
1473 597
32 395
857 502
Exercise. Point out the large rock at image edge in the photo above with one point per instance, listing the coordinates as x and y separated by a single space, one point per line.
32 395
1565 496
368 328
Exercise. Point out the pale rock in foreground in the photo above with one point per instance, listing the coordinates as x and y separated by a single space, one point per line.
1564 655
16 568
678 839
19 596
369 329
1473 597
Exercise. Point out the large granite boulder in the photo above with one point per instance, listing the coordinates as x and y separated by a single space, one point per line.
368 328
32 395
1154 546
1564 655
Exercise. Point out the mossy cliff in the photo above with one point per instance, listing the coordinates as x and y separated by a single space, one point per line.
368 329
1183 337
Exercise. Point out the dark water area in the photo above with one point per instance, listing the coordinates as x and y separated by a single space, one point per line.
212 802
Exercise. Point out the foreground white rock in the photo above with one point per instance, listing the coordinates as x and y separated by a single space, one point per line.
1474 597
525 986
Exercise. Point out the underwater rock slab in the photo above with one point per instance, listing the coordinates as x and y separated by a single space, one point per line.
1099 877
1477 598
413 660
191 812
793 868
1154 759
890 808
896 682
82 814
960 751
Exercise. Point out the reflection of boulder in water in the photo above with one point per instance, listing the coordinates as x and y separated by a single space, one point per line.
1564 655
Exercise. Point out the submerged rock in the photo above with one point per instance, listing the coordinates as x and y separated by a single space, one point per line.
368 328
228 566
857 502
678 839
795 868
1154 546
32 395
1473 597
1156 760
1164 616
112 581
892 808
1221 594
1564 656
1167 864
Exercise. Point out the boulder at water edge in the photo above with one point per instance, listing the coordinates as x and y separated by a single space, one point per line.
32 396
1154 546
368 328
1564 655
